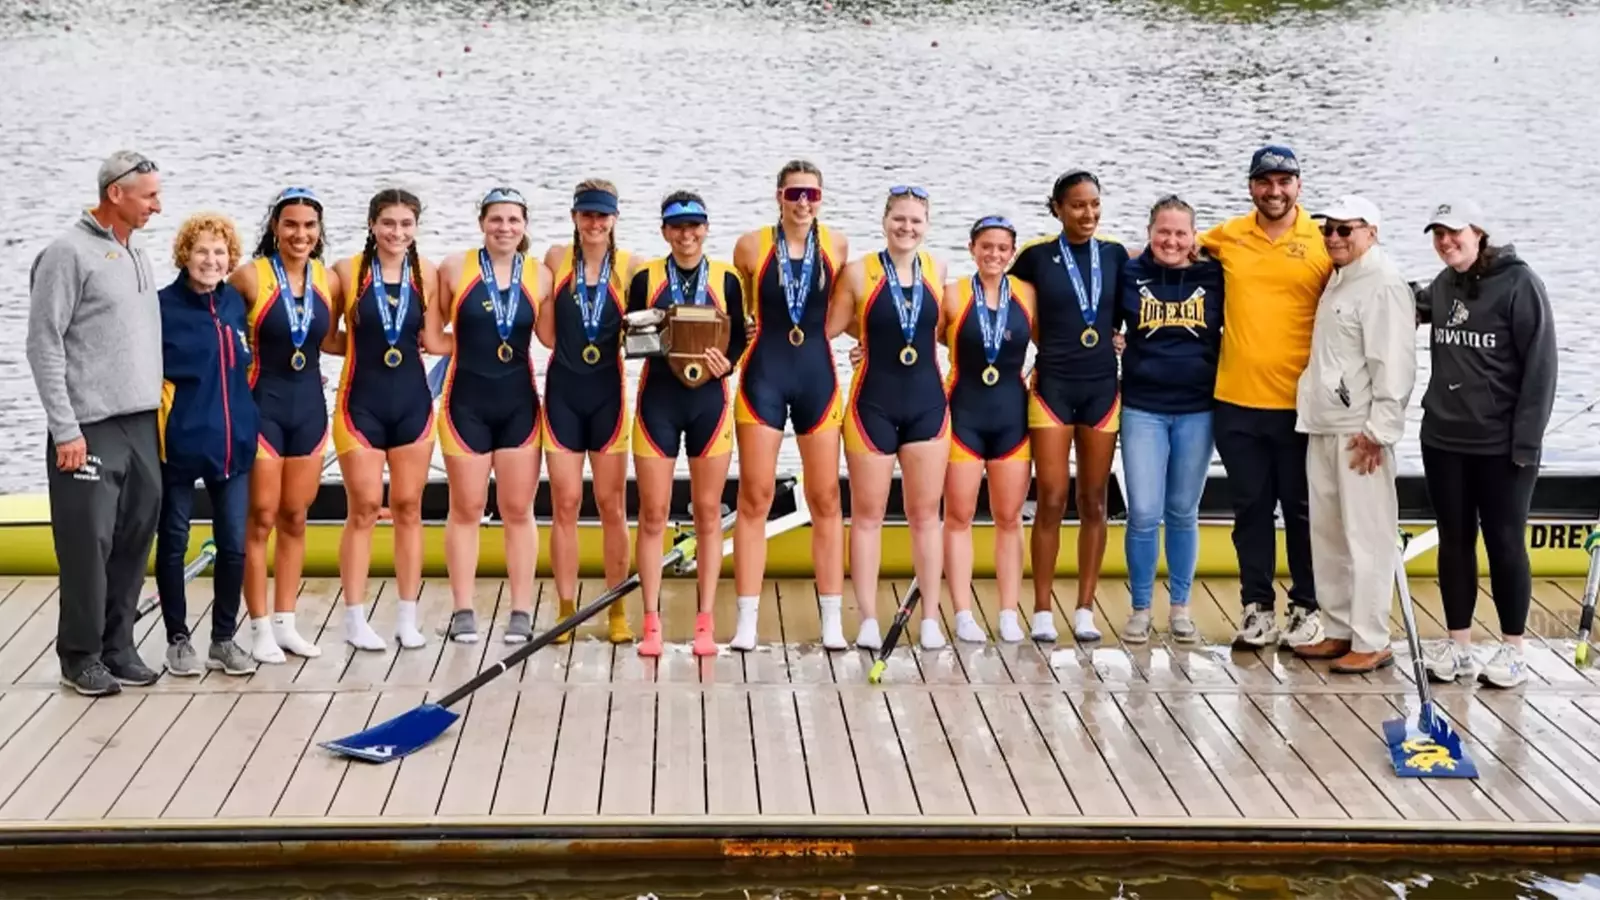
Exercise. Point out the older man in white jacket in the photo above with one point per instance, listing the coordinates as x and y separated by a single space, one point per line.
1351 401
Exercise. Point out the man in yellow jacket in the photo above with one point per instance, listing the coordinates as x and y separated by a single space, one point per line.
1352 404
1274 268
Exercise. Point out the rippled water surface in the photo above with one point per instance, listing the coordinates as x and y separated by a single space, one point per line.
983 102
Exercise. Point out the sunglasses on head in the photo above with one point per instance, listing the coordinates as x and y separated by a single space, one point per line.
802 192
503 195
988 222
1344 231
296 193
143 167
900 190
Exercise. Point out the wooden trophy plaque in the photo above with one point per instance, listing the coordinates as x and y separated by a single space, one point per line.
691 331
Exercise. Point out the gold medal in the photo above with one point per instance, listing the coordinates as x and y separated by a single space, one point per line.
796 336
505 352
908 355
692 371
991 376
591 354
297 360
1090 337
392 357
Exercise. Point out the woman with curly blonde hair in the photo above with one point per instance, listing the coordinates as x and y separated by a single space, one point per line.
208 423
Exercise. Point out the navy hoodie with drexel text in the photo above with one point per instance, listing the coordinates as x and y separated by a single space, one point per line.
1174 334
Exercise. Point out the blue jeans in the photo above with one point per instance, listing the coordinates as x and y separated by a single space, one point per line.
230 505
1164 459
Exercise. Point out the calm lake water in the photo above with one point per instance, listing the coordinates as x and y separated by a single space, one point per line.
882 880
982 102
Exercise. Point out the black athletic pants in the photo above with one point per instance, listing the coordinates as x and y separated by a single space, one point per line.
1266 462
1491 492
103 518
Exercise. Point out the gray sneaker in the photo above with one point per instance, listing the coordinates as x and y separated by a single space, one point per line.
1182 626
520 629
231 659
182 660
132 670
92 680
1137 631
463 627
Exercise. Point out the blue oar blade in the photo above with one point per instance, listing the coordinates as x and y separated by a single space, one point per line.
436 376
1425 746
400 736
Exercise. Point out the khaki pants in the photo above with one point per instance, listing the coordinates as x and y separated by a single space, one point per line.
1355 520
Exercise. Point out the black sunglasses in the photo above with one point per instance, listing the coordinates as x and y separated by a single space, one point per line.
144 167
1343 231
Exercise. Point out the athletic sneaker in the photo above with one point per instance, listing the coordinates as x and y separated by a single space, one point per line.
1181 624
1304 628
182 660
1137 631
1259 628
132 672
92 680
463 627
519 630
231 659
1506 669
1446 660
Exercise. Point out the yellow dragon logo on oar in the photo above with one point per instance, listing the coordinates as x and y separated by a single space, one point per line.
1424 755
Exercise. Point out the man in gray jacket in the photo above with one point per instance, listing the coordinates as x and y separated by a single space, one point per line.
1351 401
94 345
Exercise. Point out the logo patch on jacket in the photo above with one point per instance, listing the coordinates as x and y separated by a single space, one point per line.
1156 314
1458 313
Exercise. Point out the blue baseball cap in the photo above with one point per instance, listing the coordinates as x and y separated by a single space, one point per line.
595 201
1274 158
684 212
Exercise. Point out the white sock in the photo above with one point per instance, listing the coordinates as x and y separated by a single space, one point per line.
288 637
1044 625
1010 627
1083 625
832 627
744 631
968 629
405 626
868 637
263 648
358 632
932 635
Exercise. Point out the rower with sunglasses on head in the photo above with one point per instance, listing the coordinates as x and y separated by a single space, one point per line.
384 408
290 294
788 375
489 406
1076 402
585 407
891 302
990 324
673 416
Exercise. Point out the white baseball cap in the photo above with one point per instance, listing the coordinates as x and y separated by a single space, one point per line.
1351 208
1455 215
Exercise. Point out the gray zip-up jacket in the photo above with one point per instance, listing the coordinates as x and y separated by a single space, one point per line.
1363 362
94 329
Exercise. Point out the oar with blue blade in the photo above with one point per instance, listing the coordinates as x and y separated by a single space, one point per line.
1425 746
436 376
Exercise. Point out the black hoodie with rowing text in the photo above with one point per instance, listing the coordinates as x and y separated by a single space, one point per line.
1493 353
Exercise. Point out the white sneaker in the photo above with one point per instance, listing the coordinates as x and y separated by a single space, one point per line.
358 632
1083 625
868 637
1446 660
932 635
1259 628
744 632
1506 669
832 626
1304 627
263 647
288 637
1010 626
1182 626
1137 631
968 629
405 627
1044 625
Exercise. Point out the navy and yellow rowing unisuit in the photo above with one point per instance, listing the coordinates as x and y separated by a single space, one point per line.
893 404
294 415
989 421
489 402
1075 375
585 407
670 414
381 407
780 379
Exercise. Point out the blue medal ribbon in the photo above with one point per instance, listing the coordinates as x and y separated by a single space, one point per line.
1088 304
794 294
590 308
908 312
505 310
677 286
299 316
392 319
993 330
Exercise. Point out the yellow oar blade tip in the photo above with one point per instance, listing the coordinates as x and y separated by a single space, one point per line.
875 675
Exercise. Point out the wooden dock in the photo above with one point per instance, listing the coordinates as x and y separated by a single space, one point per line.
786 750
